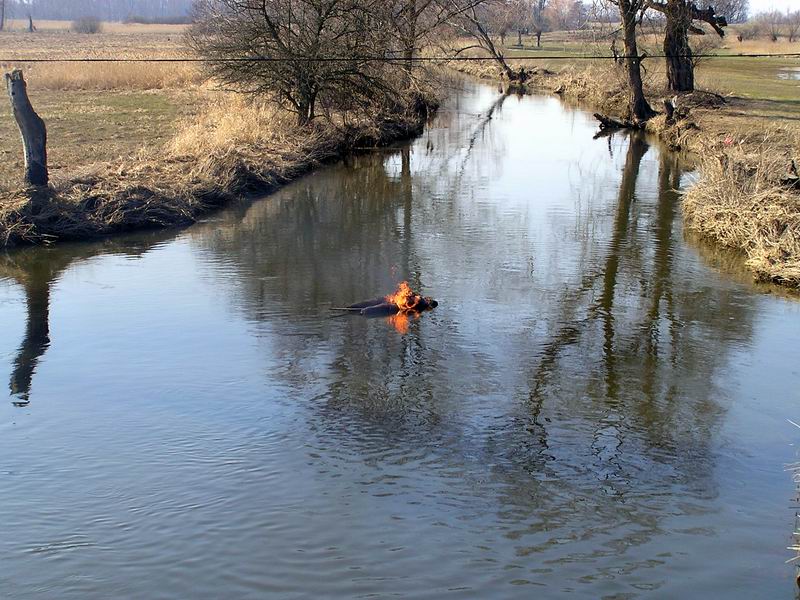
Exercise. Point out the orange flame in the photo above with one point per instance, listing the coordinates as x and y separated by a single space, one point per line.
400 321
405 298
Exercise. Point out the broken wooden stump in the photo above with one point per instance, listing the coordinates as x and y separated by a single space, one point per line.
669 110
31 128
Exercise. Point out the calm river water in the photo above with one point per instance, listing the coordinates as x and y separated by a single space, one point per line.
598 407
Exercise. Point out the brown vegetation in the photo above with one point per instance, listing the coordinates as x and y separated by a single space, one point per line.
87 25
144 144
748 198
233 147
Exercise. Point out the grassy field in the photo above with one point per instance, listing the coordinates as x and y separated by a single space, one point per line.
729 74
44 26
98 112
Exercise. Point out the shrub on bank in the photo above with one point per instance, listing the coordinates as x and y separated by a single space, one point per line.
87 25
234 147
745 201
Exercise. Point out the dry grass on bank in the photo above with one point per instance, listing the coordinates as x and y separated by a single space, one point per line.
110 76
59 44
231 147
117 41
591 83
742 201
99 112
55 26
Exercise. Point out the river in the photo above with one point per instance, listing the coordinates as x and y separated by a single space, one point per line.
598 406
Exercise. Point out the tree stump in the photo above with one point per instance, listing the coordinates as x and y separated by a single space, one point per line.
31 127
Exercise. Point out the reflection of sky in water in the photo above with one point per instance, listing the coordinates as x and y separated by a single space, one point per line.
591 409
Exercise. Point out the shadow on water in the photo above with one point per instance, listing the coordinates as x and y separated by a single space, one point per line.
36 271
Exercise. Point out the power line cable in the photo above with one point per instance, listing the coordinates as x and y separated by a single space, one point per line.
387 59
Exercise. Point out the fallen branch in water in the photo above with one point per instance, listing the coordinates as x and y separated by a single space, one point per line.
607 122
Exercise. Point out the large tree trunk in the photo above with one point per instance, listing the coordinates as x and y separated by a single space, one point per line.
2 14
538 38
31 127
678 53
305 103
410 36
305 113
638 107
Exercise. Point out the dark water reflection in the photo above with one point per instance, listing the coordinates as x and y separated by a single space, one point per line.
592 409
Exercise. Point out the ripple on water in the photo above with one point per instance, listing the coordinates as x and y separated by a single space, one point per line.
575 418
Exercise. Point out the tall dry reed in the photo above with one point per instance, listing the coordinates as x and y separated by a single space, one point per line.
745 200
110 76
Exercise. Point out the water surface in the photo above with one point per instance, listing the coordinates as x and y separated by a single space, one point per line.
597 408
789 73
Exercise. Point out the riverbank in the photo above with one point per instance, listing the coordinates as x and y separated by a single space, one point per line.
748 194
134 145
232 148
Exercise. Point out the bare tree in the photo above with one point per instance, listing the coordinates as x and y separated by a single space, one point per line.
2 14
735 11
749 30
476 23
770 22
792 23
522 12
501 18
566 15
300 53
540 24
630 12
413 22
681 15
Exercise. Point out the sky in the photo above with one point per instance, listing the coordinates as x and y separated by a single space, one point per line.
757 6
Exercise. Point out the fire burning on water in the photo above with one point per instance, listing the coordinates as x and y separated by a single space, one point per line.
409 305
404 298
399 307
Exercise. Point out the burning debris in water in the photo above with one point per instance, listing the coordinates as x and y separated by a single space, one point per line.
399 307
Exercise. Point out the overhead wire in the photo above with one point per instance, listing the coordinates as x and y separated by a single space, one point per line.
388 59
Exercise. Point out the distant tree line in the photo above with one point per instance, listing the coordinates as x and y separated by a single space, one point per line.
107 10
772 25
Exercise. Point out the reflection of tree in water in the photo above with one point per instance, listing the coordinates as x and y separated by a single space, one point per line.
622 405
304 245
343 235
36 270
35 279
609 424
